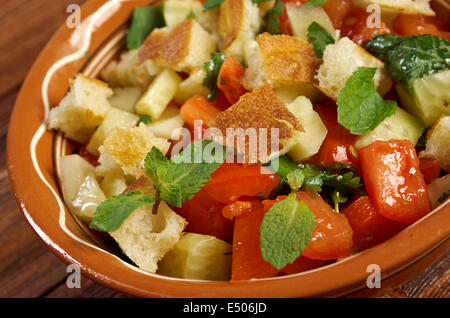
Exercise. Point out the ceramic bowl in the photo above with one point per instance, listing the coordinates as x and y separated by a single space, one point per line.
32 151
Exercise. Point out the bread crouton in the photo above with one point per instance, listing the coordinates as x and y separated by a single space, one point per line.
281 60
256 114
114 118
129 72
438 142
182 47
146 237
400 6
176 11
80 188
82 110
129 147
239 22
343 58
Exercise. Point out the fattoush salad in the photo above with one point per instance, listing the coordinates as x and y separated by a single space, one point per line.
243 139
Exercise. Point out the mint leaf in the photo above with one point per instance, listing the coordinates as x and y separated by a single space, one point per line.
319 37
285 231
181 177
212 69
143 22
295 179
273 25
408 58
191 15
111 213
360 107
212 4
316 3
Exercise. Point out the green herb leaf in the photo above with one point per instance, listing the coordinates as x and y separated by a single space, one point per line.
295 179
408 58
444 196
360 107
191 15
422 142
316 3
319 37
212 69
285 231
183 176
273 25
111 213
144 21
146 119
212 4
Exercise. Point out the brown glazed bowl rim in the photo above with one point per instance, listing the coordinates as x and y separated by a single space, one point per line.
30 157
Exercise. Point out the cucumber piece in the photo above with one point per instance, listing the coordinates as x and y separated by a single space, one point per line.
302 16
159 94
430 99
176 11
401 125
197 256
308 142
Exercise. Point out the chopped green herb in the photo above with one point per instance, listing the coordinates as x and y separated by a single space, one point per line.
212 68
178 180
444 196
191 15
422 142
319 37
360 107
285 231
111 213
273 25
295 179
146 119
212 4
316 3
144 21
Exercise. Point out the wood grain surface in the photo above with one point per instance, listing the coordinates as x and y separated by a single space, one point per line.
27 268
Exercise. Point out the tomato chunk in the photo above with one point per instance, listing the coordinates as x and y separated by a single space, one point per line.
360 31
233 180
338 11
430 168
416 24
204 216
369 227
332 236
247 260
198 108
229 79
338 144
393 180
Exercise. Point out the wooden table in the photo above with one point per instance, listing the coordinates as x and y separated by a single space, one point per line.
27 268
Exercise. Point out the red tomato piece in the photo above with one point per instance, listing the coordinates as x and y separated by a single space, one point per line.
233 209
221 101
338 11
393 180
416 24
359 31
204 216
369 227
430 168
338 144
332 236
198 108
302 264
233 180
229 79
247 260
92 159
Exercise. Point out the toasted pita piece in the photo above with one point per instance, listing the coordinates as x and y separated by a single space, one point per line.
281 60
400 6
343 58
182 47
253 118
239 21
